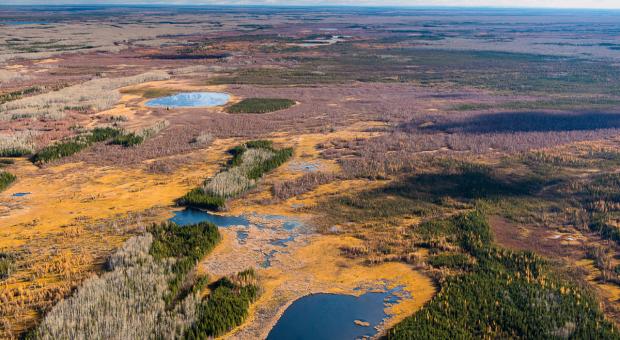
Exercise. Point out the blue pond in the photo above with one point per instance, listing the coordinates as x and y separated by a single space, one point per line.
267 259
190 99
242 236
192 216
331 316
20 194
288 223
282 242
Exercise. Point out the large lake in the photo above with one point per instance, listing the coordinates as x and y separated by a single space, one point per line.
332 316
190 99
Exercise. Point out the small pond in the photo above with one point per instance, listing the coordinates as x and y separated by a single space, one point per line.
304 166
20 194
288 224
319 42
267 259
282 242
192 216
242 236
190 99
332 316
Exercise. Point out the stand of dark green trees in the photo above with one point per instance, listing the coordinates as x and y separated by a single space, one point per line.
227 304
70 146
260 105
74 145
226 307
506 294
186 244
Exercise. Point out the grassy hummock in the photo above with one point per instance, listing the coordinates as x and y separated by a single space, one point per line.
6 178
15 152
6 162
127 140
116 136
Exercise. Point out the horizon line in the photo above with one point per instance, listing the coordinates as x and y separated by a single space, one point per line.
288 5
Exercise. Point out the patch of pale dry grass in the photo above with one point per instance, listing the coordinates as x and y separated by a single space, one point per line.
204 138
93 95
154 129
235 180
7 76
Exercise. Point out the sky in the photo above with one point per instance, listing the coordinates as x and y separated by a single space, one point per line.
599 4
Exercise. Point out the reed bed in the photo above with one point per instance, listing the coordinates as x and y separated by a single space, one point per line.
19 143
6 179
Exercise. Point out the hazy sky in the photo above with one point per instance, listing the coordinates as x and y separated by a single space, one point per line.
494 3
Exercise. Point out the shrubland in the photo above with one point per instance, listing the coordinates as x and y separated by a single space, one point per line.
203 138
7 76
70 146
113 135
13 95
432 165
283 190
505 72
7 265
128 139
410 144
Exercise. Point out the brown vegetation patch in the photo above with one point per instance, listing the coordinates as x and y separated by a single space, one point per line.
541 240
